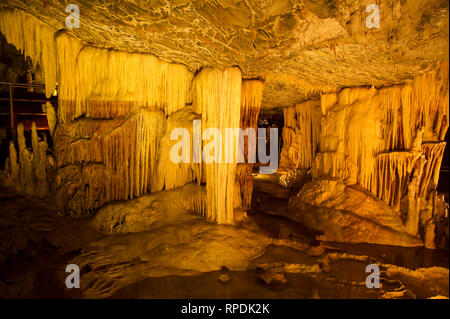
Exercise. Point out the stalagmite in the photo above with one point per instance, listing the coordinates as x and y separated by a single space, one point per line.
414 201
36 40
13 162
39 164
217 97
28 171
433 153
25 160
430 235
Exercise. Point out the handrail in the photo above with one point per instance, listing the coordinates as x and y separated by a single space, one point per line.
22 85
11 110
11 99
32 114
23 100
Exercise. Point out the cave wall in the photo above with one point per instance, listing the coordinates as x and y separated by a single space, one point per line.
35 40
389 140
115 117
251 99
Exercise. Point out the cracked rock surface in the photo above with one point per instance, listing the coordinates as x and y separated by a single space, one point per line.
298 47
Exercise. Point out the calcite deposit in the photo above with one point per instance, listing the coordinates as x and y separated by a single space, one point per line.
349 214
389 141
29 168
350 98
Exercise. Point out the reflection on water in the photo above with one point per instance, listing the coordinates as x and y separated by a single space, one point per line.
408 257
266 213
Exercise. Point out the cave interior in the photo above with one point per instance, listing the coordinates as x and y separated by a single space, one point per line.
119 151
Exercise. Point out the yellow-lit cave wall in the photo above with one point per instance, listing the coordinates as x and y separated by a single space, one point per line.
388 140
115 115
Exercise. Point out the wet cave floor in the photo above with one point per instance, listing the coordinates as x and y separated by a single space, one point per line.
37 244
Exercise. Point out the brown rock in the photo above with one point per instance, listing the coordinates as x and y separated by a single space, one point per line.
349 214
223 278
273 277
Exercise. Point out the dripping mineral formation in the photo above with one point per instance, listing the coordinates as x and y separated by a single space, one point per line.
224 149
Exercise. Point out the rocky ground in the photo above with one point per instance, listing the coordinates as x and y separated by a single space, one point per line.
270 256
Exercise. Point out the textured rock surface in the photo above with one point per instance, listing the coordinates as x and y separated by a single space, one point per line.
29 170
181 249
390 141
144 213
36 245
294 178
99 161
348 214
299 47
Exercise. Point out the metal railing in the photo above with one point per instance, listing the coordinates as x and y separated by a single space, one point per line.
11 100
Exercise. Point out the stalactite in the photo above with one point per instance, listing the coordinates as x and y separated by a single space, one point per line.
433 153
117 158
425 104
168 174
388 140
218 96
245 181
178 88
193 198
100 83
34 39
301 134
51 116
251 98
391 176
288 157
67 48
361 123
127 89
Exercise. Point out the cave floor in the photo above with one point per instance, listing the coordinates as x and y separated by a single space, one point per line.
37 244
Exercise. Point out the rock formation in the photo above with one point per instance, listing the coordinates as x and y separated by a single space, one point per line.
116 113
251 98
119 102
35 40
348 214
153 110
29 170
390 141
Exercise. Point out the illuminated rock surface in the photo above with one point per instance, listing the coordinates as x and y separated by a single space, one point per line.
184 260
300 47
348 214
366 114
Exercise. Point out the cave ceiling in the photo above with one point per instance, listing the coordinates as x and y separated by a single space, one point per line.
298 47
